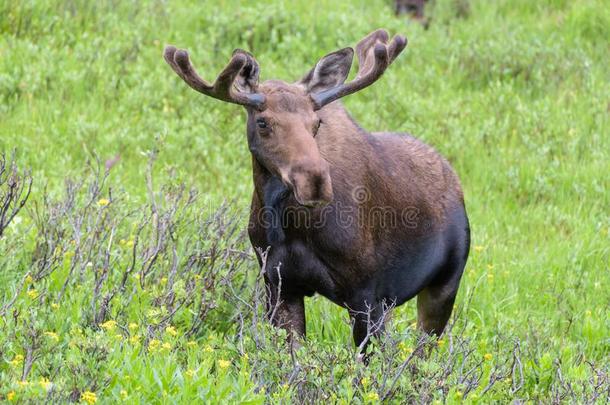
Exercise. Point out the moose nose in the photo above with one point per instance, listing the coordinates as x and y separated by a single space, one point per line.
311 183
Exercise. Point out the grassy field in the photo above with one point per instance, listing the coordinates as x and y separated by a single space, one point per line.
139 285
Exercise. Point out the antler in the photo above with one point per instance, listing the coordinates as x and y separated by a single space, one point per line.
374 56
223 88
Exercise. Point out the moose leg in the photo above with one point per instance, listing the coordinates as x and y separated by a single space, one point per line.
368 323
435 302
287 312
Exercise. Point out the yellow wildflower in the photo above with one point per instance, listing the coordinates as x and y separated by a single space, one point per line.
29 279
130 243
10 396
89 397
52 335
441 343
124 395
153 345
54 305
16 360
459 394
109 325
45 383
478 248
32 293
23 384
102 202
372 396
224 363
488 356
166 346
133 326
134 340
170 330
190 373
490 267
191 343
163 280
208 349
365 382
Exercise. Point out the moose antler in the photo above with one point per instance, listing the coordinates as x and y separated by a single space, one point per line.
224 87
374 56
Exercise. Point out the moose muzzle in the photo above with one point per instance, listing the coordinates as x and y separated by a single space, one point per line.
310 182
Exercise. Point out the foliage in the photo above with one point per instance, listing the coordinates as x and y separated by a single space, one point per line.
128 277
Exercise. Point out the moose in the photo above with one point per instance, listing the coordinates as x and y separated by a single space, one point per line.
320 181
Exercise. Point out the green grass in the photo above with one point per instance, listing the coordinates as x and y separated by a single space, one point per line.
516 95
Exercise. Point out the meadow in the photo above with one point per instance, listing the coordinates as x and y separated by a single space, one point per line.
127 275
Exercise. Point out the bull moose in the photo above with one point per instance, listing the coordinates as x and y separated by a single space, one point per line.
310 157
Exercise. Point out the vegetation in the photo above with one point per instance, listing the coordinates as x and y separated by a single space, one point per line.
127 274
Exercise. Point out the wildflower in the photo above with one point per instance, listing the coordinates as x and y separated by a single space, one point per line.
124 395
365 382
54 305
32 293
208 349
102 202
372 396
166 346
170 330
490 267
16 360
478 248
45 383
109 325
10 396
29 279
52 335
153 345
588 312
440 343
224 363
122 242
190 373
488 356
130 243
191 343
133 326
23 384
490 277
134 340
89 397
459 394
163 280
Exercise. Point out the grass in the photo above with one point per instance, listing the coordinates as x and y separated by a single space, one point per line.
131 287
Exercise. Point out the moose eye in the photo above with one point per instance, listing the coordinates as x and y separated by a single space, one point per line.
316 127
261 123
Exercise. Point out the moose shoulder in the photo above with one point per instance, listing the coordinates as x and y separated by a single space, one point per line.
368 220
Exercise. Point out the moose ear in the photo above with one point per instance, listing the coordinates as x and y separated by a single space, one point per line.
247 79
329 72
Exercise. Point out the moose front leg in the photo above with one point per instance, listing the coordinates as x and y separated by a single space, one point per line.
286 311
368 323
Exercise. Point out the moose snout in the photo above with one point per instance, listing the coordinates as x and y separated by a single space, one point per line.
311 183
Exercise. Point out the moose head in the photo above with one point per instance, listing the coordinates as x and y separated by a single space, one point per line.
282 117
